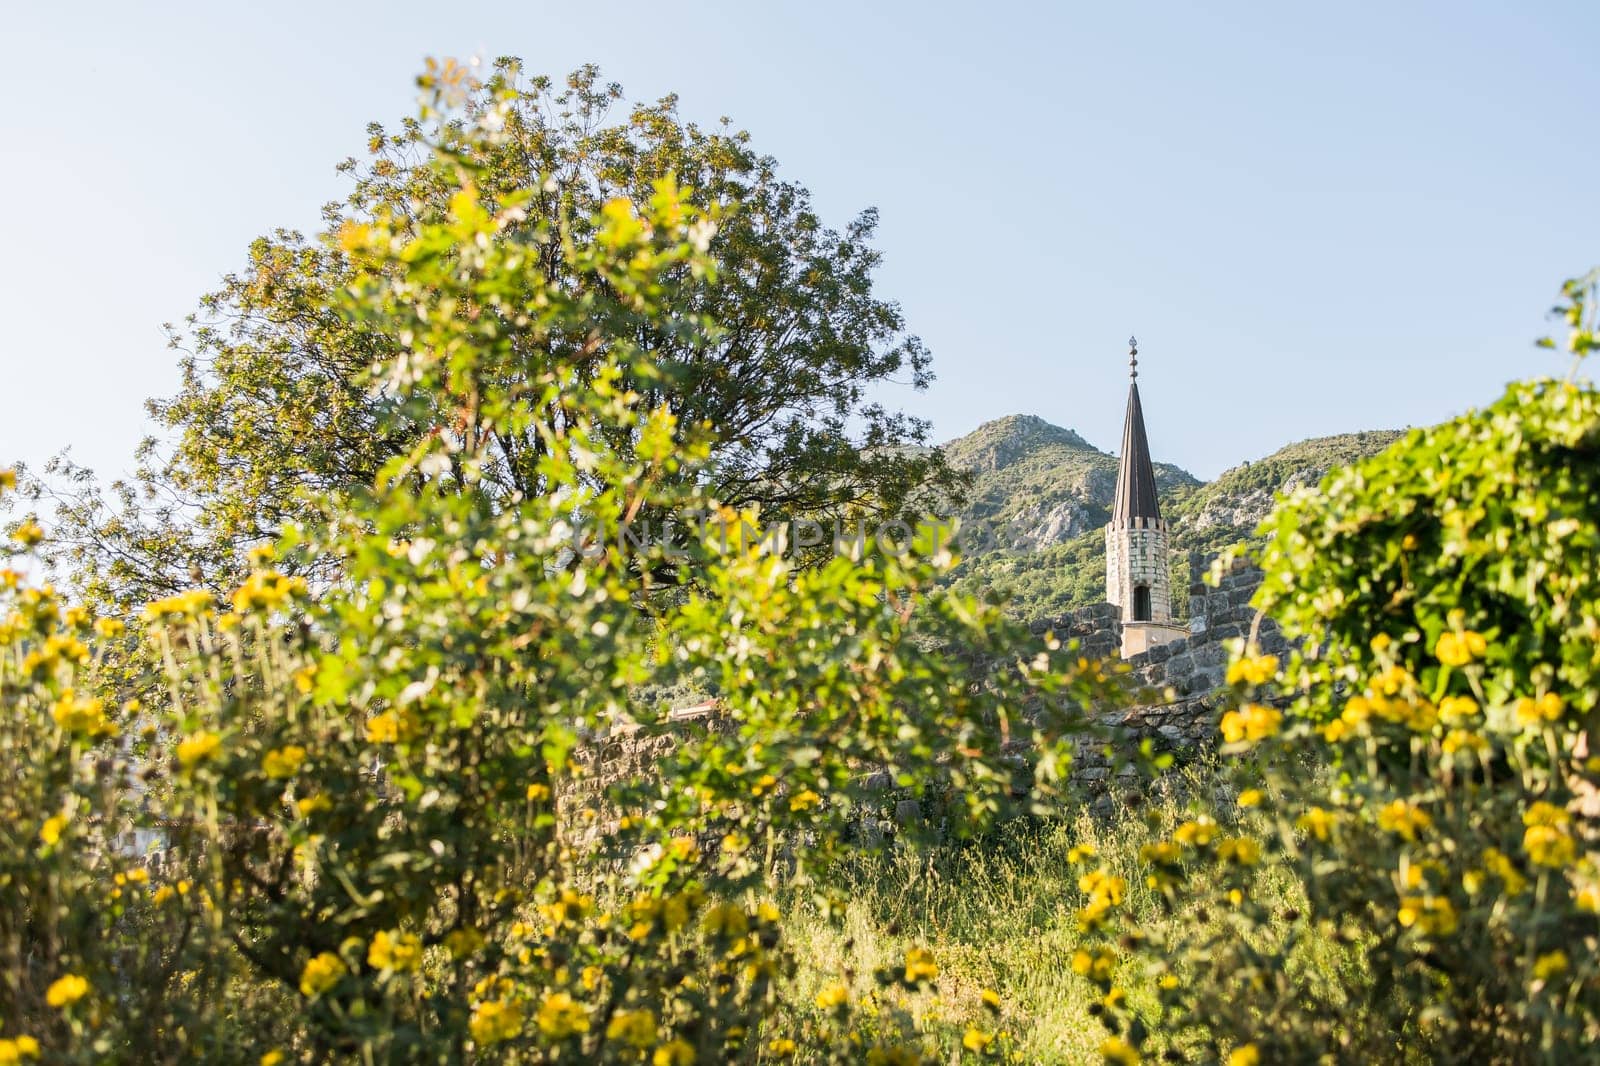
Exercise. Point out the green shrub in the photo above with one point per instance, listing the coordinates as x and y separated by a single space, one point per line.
1445 594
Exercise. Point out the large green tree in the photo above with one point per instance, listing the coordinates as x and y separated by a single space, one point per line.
278 402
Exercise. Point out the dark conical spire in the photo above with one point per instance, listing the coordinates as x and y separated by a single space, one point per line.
1136 477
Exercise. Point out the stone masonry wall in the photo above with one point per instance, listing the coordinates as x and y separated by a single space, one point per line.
1176 692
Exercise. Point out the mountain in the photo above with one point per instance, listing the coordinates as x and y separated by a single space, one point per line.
1041 496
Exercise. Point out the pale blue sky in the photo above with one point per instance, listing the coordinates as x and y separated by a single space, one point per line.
1316 218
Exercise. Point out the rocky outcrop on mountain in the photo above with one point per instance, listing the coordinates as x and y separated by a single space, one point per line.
1041 496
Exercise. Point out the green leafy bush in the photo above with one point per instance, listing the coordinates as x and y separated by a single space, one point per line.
389 838
1445 595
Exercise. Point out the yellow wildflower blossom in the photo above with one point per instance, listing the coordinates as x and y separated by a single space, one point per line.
1196 833
976 1040
1432 915
28 533
1459 649
1550 965
804 800
1253 671
65 991
1240 850
50 832
1403 819
1244 1055
197 748
1119 1052
920 966
321 973
834 995
1458 710
1547 708
1251 723
636 1028
283 762
82 716
1550 846
561 1016
399 952
184 605
495 1021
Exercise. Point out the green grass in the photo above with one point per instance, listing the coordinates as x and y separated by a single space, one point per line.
1000 913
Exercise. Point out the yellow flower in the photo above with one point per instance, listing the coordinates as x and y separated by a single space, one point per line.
1119 1052
1547 708
976 1040
538 792
1432 915
13 1052
313 805
636 1028
991 999
1241 850
399 952
560 1016
50 832
781 1047
1459 649
28 533
1542 813
65 991
1502 867
283 762
1550 846
81 716
1403 819
1250 797
1196 833
676 1053
804 801
272 1058
1588 899
1097 966
184 605
834 995
1463 740
1458 710
1317 822
197 748
495 1021
321 973
1256 671
390 727
109 628
1081 854
920 966
1251 723
266 590
1244 1055
1550 965
8 478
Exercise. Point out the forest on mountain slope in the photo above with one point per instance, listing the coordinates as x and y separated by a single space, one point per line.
1041 495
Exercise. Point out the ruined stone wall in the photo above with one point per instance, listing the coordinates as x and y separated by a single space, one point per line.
1176 701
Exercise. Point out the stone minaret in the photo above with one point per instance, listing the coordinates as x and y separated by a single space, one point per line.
1137 576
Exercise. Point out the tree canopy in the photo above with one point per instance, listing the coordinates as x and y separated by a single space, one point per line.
279 404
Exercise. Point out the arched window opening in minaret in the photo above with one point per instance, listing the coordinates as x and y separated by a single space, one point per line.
1141 603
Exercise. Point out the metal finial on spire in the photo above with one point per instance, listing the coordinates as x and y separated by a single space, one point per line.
1133 357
